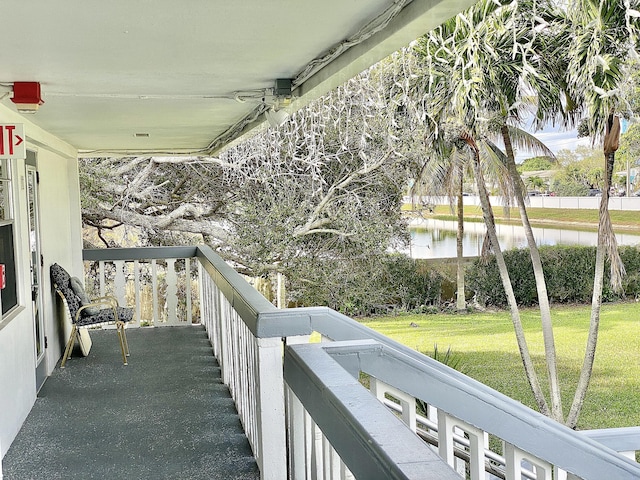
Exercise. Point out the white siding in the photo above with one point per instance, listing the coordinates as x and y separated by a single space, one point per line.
62 243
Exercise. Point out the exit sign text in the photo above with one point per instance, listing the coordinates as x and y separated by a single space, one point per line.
12 144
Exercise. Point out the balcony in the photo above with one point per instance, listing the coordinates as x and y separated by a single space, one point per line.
301 405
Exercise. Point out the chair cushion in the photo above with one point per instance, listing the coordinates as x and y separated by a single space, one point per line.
62 281
78 289
105 315
59 276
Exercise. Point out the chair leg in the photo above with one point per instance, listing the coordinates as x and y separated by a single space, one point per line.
126 342
119 329
70 343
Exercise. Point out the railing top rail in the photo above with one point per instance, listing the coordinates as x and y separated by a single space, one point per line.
624 439
141 253
371 441
484 408
246 300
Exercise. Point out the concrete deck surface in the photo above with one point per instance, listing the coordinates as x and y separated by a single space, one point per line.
165 415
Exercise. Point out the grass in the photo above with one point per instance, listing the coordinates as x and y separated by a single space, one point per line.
485 345
567 218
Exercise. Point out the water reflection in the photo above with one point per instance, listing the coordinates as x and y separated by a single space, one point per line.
437 238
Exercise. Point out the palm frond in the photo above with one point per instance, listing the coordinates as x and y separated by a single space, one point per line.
527 141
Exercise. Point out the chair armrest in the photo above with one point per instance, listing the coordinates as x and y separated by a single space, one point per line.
110 299
108 302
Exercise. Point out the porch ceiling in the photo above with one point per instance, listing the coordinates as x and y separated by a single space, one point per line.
171 69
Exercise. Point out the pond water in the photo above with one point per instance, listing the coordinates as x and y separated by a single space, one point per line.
437 238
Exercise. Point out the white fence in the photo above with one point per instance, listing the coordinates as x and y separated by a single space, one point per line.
586 203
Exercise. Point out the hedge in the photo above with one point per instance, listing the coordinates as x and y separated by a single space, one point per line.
568 273
365 286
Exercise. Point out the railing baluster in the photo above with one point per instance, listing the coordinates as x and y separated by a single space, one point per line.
345 474
407 402
308 444
154 288
119 282
326 458
514 457
296 441
446 430
137 319
102 282
172 292
187 279
316 451
270 414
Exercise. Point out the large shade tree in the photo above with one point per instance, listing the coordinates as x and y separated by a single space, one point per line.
324 187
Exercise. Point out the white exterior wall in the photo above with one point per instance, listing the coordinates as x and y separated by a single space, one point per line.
59 213
61 242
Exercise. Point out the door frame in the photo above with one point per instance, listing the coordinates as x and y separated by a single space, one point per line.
35 268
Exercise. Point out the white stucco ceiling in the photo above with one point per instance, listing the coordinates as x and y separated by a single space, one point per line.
169 69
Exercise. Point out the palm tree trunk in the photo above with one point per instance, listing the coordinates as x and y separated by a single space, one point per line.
606 245
592 339
461 303
489 221
541 285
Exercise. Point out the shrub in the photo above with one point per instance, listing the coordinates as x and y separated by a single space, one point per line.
365 286
413 286
568 273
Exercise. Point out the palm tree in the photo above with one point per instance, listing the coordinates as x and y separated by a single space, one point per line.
604 37
486 62
489 221
442 174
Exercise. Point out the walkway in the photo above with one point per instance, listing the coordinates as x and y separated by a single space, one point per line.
165 415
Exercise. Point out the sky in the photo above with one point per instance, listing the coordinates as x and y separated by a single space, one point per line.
556 140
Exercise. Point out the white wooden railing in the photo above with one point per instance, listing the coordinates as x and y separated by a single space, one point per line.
157 282
308 416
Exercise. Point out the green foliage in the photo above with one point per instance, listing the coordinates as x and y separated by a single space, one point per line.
364 285
448 358
568 273
535 182
580 170
602 37
567 187
536 163
629 151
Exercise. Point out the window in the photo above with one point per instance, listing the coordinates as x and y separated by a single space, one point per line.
9 294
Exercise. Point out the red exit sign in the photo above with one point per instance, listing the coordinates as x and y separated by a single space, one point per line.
12 141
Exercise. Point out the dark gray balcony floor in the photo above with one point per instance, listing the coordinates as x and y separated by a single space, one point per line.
165 415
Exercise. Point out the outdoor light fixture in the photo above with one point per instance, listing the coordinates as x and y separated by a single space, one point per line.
276 117
281 97
26 96
283 88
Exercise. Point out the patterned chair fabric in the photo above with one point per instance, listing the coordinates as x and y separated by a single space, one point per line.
108 312
62 281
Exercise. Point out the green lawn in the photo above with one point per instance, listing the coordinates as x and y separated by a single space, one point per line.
567 218
486 346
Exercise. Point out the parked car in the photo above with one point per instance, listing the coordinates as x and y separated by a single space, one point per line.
594 192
